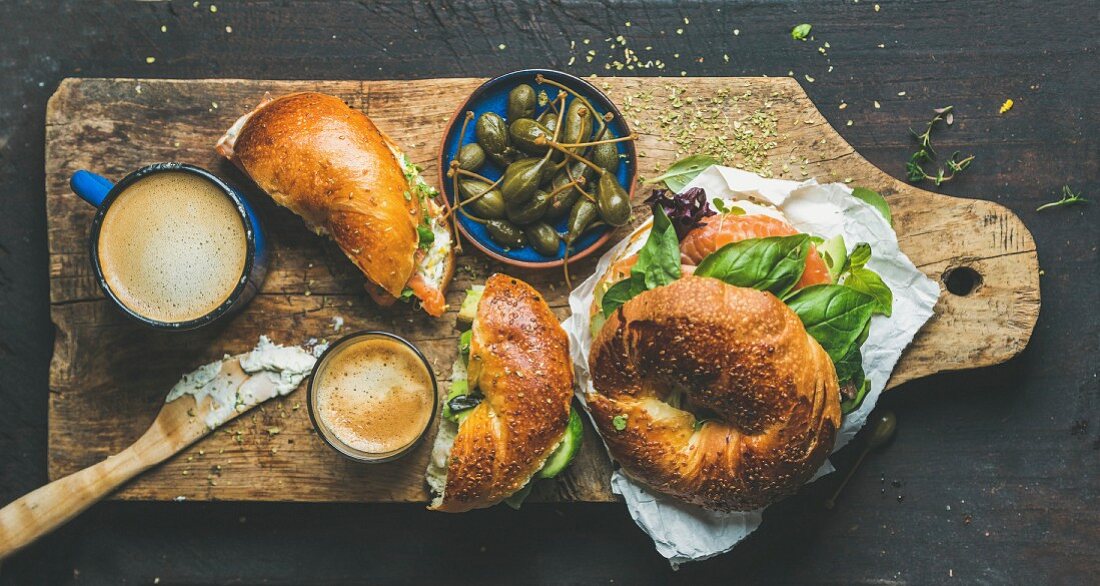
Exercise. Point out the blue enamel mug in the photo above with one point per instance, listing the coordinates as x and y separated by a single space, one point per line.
170 272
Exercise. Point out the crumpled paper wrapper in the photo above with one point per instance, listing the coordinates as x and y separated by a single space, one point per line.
682 532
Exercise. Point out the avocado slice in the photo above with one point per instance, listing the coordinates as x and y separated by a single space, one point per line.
468 311
567 449
835 254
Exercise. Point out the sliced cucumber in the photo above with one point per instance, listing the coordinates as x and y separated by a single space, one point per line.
464 345
468 311
567 449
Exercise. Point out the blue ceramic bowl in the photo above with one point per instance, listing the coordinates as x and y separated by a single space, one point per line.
492 96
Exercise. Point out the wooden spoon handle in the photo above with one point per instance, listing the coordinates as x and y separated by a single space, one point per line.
47 508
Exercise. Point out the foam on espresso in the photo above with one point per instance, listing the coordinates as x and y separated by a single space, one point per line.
172 247
374 394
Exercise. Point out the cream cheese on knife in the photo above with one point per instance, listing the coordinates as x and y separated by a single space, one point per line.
274 370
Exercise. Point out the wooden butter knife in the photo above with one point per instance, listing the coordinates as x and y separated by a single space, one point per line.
183 420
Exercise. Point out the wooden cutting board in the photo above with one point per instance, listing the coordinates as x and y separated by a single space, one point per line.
109 376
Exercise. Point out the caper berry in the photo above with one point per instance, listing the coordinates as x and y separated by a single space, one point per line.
543 238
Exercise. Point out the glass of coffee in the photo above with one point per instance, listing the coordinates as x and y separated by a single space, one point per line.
172 245
372 396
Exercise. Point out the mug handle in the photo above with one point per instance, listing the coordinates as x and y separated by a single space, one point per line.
90 187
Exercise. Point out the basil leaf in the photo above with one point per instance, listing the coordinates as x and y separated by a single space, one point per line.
834 315
876 201
859 256
849 369
659 260
677 176
618 294
658 264
868 282
772 264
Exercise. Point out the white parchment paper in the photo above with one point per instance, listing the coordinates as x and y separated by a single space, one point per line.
683 532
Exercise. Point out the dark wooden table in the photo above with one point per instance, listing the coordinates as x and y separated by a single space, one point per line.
995 474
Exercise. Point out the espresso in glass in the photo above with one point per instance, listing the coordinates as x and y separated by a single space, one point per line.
372 396
172 247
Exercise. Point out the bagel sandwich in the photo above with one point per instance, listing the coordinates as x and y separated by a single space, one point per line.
722 342
507 419
329 164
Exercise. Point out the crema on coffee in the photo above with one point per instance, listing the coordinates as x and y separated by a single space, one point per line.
172 247
374 394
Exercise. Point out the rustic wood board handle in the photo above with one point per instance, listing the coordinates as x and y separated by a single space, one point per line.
116 125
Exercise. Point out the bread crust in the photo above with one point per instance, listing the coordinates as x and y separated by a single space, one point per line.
331 165
737 357
519 360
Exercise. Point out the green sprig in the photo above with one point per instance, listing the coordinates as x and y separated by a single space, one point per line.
955 164
1069 198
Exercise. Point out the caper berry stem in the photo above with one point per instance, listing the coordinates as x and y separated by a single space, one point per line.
626 138
461 171
553 145
541 79
573 183
461 204
882 432
448 215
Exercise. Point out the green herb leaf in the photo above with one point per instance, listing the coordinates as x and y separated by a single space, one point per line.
772 264
658 264
800 32
876 201
1068 198
859 256
834 315
680 173
619 422
870 283
427 237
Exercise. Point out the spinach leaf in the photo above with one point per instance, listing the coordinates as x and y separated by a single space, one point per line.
876 201
658 264
677 176
772 264
868 282
834 315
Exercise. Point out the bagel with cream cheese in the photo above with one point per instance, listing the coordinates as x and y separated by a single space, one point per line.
508 416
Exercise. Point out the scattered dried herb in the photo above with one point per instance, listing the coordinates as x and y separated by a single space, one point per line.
1069 198
619 422
739 130
954 165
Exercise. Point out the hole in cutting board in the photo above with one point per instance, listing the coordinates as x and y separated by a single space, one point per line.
962 281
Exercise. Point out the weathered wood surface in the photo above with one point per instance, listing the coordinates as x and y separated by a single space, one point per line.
109 375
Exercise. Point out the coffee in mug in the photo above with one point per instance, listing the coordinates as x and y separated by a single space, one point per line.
172 247
372 396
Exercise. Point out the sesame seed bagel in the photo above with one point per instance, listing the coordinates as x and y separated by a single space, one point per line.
714 394
519 360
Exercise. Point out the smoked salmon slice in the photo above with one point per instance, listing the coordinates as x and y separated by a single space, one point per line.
722 229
